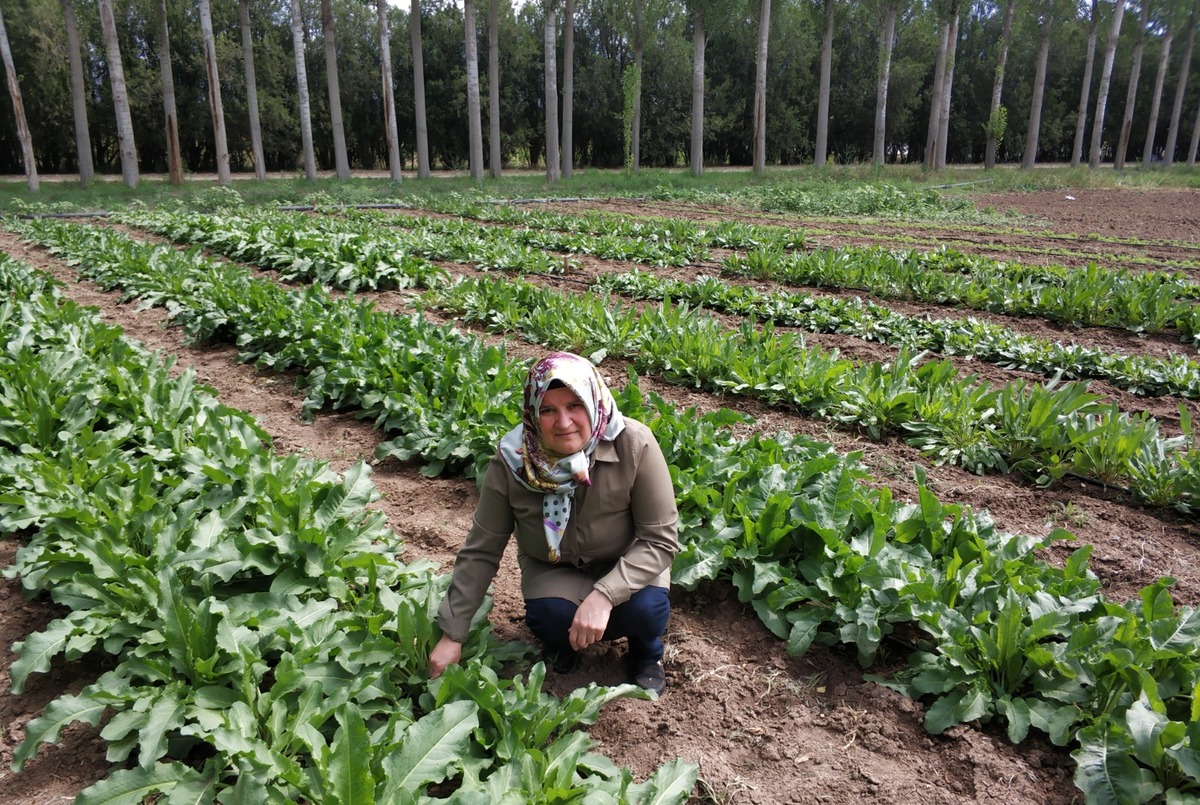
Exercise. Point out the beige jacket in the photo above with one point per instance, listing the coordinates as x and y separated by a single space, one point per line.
621 536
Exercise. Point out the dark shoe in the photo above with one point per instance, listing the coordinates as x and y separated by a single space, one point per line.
563 662
650 675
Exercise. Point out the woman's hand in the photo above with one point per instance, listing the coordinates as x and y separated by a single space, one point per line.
446 652
591 619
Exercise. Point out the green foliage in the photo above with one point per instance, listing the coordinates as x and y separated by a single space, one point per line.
996 124
250 603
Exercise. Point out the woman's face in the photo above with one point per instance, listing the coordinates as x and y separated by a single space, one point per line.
564 421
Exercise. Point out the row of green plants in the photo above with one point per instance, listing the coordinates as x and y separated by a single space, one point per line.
265 644
998 636
1140 374
717 235
1091 296
1043 431
358 251
951 419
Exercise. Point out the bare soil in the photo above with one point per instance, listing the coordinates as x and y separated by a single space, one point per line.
763 727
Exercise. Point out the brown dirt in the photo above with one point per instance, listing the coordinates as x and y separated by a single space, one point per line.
764 727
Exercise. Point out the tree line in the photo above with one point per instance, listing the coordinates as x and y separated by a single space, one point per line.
177 86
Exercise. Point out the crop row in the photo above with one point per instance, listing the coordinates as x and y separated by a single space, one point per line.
348 256
1142 302
1041 431
998 635
1140 374
716 235
250 602
363 253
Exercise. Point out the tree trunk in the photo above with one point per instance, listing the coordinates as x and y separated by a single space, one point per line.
1035 103
760 89
1180 91
989 156
170 113
474 113
1085 93
419 91
14 91
1160 80
83 138
214 93
568 99
887 34
935 98
306 136
1135 74
1110 55
550 57
822 144
125 140
699 40
340 161
635 135
256 141
495 156
391 131
947 86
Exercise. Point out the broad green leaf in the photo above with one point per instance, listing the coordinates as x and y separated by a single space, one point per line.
350 780
671 783
133 786
1105 770
432 747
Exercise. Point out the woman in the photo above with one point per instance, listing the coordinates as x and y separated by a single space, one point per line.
588 495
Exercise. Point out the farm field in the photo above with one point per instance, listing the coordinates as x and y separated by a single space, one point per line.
762 726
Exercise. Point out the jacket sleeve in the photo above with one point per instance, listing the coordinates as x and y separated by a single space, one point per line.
479 557
655 528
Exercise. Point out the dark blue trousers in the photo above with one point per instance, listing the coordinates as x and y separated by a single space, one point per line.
642 620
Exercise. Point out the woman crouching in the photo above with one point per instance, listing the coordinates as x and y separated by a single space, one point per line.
588 495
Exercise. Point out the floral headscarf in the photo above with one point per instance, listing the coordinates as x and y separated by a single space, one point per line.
525 452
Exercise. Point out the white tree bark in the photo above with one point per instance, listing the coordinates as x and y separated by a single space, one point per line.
568 100
391 131
1135 75
1160 80
1110 55
1086 90
495 154
989 157
341 162
170 112
1039 88
933 132
635 135
215 106
306 137
256 141
760 88
474 124
947 86
419 91
699 40
125 140
83 137
14 92
822 144
550 71
1180 91
887 35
